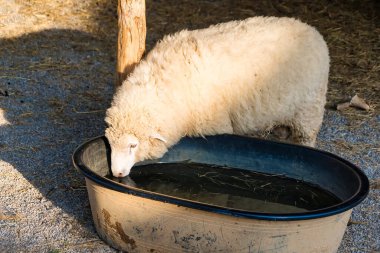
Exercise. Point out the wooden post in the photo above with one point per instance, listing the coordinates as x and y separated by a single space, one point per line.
131 36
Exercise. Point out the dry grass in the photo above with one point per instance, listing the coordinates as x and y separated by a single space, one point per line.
351 29
9 217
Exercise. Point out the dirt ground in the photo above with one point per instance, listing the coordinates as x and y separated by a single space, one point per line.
57 64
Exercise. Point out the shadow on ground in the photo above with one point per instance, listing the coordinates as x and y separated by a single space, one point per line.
54 88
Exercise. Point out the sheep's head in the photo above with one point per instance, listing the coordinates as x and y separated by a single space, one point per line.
136 128
123 154
130 147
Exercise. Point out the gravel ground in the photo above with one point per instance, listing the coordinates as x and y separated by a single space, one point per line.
56 79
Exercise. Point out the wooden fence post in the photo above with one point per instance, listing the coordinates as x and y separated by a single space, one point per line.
131 36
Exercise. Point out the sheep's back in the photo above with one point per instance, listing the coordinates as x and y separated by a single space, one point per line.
256 71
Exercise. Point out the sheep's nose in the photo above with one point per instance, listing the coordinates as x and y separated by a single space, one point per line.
120 174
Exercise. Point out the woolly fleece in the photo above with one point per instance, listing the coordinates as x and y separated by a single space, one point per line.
238 77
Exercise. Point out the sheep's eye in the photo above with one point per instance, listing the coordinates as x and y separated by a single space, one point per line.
133 145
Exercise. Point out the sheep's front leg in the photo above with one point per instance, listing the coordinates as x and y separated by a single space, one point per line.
305 136
305 128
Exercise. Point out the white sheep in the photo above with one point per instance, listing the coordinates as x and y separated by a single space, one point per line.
238 77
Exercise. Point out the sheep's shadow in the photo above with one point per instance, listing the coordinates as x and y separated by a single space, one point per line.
54 88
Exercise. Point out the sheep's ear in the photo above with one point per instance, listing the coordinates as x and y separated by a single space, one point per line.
158 137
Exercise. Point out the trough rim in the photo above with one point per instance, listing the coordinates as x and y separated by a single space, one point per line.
348 204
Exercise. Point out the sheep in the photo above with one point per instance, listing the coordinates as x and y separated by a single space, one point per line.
238 77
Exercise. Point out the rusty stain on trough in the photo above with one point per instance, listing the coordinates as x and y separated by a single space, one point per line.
124 236
118 228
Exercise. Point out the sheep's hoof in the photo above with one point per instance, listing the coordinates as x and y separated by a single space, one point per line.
281 132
